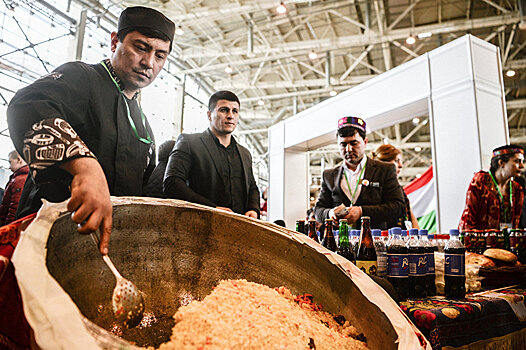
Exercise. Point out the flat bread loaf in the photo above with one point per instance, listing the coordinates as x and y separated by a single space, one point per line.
501 255
478 259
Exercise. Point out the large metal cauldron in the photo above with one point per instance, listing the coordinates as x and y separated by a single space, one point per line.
174 251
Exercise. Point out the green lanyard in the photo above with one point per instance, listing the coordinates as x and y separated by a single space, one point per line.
502 197
146 140
357 182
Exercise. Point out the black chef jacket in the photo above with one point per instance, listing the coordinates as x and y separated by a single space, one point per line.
84 96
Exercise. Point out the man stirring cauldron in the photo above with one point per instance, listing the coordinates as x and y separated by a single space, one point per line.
81 128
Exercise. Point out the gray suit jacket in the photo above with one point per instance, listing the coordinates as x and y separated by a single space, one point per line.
194 172
381 199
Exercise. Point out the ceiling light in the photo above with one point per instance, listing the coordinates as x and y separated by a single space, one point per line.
424 35
261 102
418 149
313 55
410 40
416 120
179 30
510 73
228 69
333 93
281 9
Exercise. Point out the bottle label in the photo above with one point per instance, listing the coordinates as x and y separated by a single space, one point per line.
382 264
430 263
455 264
369 267
417 264
397 265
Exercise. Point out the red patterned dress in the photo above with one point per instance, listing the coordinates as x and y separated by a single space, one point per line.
483 209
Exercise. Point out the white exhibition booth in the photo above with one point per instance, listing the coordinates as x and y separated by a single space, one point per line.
459 85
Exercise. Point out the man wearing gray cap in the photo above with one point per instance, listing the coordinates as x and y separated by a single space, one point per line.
81 128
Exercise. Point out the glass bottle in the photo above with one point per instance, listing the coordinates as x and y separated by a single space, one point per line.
366 259
328 239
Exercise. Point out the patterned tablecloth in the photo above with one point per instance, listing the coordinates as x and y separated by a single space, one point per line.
15 332
456 323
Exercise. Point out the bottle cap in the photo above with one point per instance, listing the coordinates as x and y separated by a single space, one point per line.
396 231
431 236
404 233
376 232
384 233
454 232
422 232
413 232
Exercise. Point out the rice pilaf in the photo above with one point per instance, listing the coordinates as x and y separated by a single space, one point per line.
245 315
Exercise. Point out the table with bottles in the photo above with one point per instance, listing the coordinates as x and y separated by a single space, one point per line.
481 320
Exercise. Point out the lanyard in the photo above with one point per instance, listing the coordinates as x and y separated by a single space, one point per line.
146 140
502 197
357 182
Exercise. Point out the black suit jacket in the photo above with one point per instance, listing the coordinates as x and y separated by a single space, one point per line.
381 199
194 172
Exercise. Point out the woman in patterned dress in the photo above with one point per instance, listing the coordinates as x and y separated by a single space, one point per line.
494 199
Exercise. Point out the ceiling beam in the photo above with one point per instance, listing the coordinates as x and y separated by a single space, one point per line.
368 38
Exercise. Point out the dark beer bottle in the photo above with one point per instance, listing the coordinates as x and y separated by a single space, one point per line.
300 226
344 249
328 239
366 255
312 231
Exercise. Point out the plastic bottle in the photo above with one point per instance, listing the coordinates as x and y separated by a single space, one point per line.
385 236
381 252
355 236
398 263
431 248
455 270
417 265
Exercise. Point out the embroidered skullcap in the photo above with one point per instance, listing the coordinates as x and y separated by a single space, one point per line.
353 122
507 149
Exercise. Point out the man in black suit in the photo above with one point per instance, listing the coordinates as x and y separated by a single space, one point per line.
360 186
211 168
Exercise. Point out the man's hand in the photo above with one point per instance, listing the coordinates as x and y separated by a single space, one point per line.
90 198
251 214
225 209
355 213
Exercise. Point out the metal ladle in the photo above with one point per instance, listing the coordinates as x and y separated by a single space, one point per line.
127 299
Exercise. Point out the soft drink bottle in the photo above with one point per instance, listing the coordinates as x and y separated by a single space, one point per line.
398 263
417 265
455 274
431 248
381 252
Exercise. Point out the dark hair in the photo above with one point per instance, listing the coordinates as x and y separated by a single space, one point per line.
150 33
221 95
494 165
386 153
350 131
280 222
